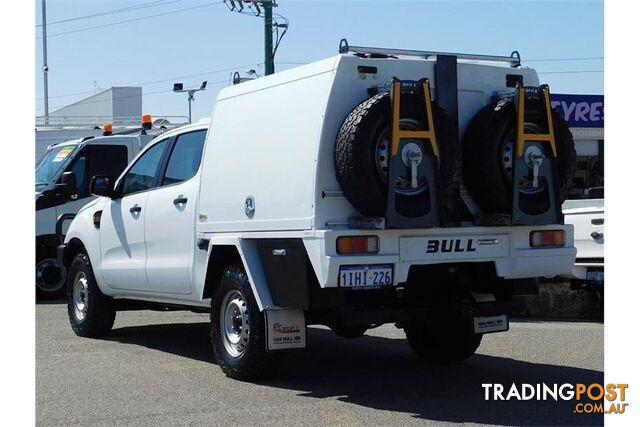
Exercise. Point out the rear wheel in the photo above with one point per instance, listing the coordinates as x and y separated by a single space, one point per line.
91 313
443 341
349 331
238 329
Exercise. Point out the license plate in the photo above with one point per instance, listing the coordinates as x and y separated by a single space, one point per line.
485 325
365 276
595 276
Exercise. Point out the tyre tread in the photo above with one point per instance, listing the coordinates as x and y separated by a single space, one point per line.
256 362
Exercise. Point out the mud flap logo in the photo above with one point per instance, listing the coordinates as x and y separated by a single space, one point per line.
285 329
435 246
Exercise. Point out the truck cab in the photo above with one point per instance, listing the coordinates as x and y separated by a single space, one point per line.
63 175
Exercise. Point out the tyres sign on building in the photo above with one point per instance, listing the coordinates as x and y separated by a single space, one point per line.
580 110
585 116
583 113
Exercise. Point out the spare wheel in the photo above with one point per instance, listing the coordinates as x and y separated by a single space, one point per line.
362 152
487 155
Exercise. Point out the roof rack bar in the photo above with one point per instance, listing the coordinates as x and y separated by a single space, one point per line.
513 60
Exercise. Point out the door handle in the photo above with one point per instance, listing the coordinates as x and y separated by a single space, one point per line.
135 209
180 200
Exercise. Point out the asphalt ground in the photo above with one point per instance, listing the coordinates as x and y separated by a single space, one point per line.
157 369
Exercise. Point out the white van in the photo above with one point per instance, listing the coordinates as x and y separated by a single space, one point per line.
280 214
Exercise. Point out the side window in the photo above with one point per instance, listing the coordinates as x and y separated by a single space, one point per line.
79 169
141 175
97 160
185 157
107 160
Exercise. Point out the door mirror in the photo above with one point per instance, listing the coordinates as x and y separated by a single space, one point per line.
68 186
103 185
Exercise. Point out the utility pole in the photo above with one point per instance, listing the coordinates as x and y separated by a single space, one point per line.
45 67
279 26
268 37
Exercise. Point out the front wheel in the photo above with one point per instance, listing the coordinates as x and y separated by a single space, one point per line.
91 313
446 341
238 329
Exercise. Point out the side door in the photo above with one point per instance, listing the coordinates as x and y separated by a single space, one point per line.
122 235
170 217
93 160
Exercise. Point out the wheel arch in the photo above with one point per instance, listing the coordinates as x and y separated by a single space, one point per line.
74 247
220 257
244 252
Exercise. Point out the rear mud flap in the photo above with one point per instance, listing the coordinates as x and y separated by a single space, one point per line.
487 325
286 329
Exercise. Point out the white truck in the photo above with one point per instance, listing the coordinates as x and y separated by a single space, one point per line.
281 213
587 217
62 177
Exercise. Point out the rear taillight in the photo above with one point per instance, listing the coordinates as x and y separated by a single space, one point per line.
546 239
357 245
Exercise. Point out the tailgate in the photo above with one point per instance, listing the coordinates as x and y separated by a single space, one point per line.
588 229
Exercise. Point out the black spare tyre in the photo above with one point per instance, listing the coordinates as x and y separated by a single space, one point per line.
487 154
362 151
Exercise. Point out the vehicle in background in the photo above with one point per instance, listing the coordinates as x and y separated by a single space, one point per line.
59 129
587 217
62 186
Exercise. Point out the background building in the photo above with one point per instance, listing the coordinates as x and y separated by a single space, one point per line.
119 106
116 105
585 116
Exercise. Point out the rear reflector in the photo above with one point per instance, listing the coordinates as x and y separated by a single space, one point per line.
357 245
542 239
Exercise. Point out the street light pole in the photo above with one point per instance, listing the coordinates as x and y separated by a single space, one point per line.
45 67
190 98
179 88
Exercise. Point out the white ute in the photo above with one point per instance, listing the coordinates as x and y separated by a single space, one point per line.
280 213
587 218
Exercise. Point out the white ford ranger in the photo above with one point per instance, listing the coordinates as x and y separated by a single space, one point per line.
338 193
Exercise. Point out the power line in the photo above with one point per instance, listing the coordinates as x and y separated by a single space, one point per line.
133 19
154 3
571 72
97 101
523 60
564 59
152 82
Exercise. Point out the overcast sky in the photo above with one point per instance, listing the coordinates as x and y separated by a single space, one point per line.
207 41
